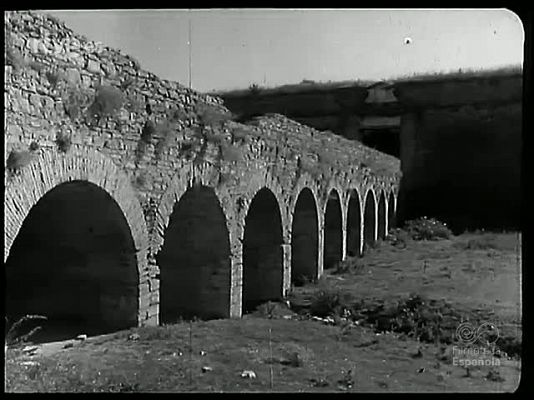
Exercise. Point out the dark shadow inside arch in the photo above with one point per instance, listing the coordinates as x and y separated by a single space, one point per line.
333 235
304 239
262 251
194 261
354 225
369 221
74 262
392 223
382 217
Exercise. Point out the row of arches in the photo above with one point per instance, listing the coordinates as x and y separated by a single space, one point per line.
75 260
306 216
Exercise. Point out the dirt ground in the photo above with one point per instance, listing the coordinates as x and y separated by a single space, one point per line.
286 350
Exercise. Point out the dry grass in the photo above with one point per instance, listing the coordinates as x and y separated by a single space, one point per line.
305 86
297 354
462 74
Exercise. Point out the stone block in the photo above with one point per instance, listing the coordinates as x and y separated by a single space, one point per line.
93 66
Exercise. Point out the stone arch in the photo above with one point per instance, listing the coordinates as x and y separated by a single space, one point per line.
354 224
194 261
86 171
184 179
369 219
258 180
333 229
382 216
305 238
202 175
263 255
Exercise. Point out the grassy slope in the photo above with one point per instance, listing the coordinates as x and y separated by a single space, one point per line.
159 361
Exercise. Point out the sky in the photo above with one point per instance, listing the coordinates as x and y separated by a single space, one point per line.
234 48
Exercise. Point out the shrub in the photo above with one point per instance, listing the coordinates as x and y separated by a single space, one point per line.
18 160
240 135
34 146
108 100
186 146
73 102
326 158
231 154
254 89
212 116
398 237
149 129
350 264
54 77
494 375
63 142
511 345
329 303
266 310
15 333
178 114
127 82
36 66
14 57
301 280
140 150
427 229
483 242
140 180
166 133
213 138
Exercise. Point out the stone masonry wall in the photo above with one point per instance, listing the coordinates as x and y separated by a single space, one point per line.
146 141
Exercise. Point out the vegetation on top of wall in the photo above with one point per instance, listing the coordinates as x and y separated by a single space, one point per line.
212 116
108 100
12 55
304 86
75 101
140 181
63 142
166 132
34 146
149 129
54 77
17 60
461 74
230 153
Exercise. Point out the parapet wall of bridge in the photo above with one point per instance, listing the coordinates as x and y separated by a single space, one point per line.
204 219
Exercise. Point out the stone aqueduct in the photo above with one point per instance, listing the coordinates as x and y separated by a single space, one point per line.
85 235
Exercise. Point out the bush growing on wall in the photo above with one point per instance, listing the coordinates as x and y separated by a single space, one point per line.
166 133
231 153
34 146
18 160
108 100
12 55
149 129
63 142
212 116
